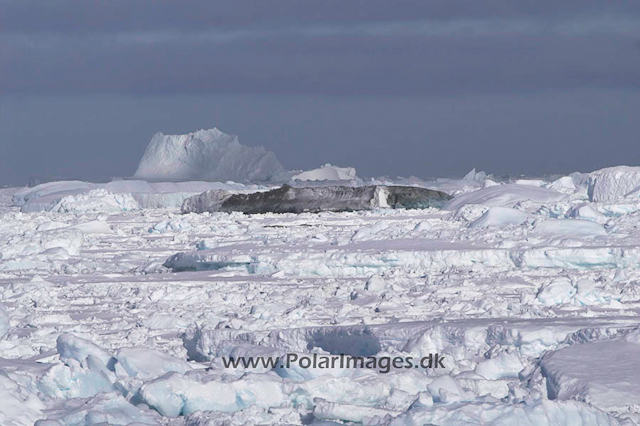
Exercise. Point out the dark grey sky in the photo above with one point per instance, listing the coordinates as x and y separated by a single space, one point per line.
419 88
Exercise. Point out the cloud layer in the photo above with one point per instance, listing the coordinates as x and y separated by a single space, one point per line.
308 47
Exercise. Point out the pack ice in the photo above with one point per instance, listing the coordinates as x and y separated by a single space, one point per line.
116 308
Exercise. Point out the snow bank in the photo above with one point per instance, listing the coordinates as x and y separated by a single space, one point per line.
96 200
5 325
147 364
209 155
327 172
605 373
499 216
325 410
505 365
252 415
570 228
175 394
93 227
587 212
366 259
71 347
564 184
18 406
613 183
530 182
538 413
288 199
73 381
22 197
32 243
102 409
557 292
504 195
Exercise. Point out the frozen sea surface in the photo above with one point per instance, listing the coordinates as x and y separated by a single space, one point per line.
115 314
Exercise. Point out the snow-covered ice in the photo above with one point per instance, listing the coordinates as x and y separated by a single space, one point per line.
117 308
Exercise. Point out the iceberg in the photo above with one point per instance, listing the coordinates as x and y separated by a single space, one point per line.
288 199
208 155
327 172
613 183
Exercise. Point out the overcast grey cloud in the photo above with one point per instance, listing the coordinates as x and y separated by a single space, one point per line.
473 81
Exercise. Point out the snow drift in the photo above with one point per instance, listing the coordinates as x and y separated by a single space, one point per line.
208 155
504 196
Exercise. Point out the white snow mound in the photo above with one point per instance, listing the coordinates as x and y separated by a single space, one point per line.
570 228
209 155
603 373
499 216
504 195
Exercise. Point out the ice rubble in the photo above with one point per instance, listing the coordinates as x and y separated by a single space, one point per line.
327 172
208 155
523 289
